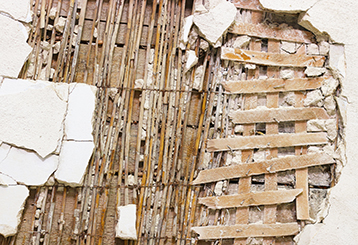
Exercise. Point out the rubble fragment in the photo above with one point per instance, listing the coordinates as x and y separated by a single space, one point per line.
330 105
126 226
287 73
316 125
60 24
288 47
53 12
241 41
214 23
314 98
191 61
329 86
312 49
314 71
184 34
13 201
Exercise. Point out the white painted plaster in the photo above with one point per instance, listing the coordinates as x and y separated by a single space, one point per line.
27 167
126 226
74 158
339 20
213 23
11 209
12 8
191 60
81 105
32 114
14 48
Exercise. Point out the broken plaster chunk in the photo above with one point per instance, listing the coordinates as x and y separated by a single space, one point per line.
313 98
56 47
14 48
337 60
27 167
312 49
250 66
288 6
287 73
126 226
331 129
17 9
218 190
214 23
29 122
329 86
11 209
241 42
330 105
60 24
81 106
73 161
199 73
53 12
323 48
289 47
191 61
314 71
184 34
138 84
316 125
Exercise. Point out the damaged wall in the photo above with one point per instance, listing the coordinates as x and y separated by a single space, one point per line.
338 20
46 128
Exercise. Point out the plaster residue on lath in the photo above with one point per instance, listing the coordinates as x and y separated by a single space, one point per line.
46 128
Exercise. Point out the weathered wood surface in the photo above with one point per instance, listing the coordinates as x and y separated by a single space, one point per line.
250 199
272 32
278 115
272 85
266 141
250 230
256 168
271 59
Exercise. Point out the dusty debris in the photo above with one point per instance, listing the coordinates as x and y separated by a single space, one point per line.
60 24
241 42
314 98
11 209
287 73
289 47
213 24
191 61
126 226
314 71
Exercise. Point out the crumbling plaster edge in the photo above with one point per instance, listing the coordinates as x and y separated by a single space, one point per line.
338 217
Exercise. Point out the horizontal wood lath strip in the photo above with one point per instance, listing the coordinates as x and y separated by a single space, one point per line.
272 32
271 59
266 141
250 199
256 168
278 115
272 85
242 231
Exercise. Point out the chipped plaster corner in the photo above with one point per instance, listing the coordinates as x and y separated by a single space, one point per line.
336 19
17 9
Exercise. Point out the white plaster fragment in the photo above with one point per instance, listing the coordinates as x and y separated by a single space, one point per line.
312 49
314 71
126 226
73 161
138 84
323 48
32 114
214 23
250 66
53 12
56 47
199 73
287 73
337 60
27 167
313 98
14 48
218 190
131 180
60 24
332 129
204 45
330 105
17 9
191 61
184 34
239 129
241 41
11 209
329 86
289 47
288 6
95 32
316 125
81 106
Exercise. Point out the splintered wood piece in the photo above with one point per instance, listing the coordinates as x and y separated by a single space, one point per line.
242 231
271 59
256 168
272 32
250 199
247 4
266 141
272 85
278 115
